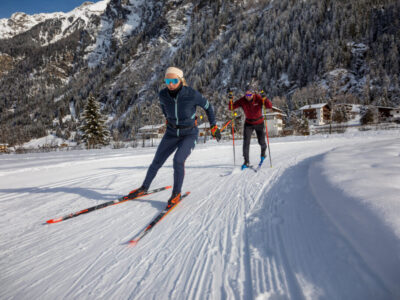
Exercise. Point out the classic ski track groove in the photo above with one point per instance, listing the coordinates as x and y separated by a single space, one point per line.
234 237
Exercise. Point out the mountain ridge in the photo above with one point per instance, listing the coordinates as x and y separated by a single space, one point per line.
120 55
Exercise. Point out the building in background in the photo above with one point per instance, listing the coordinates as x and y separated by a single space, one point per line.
395 114
152 131
317 114
384 113
4 148
275 121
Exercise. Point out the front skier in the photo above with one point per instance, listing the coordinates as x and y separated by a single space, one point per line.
178 103
252 103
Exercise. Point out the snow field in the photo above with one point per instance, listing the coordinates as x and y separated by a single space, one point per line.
293 231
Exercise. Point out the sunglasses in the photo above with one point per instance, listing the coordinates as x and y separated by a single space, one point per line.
173 81
249 95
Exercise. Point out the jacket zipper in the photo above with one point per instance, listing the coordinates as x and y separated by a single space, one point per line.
176 114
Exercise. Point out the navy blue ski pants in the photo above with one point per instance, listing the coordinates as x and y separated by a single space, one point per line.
169 143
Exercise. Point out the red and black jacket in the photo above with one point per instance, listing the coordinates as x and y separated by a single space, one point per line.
252 109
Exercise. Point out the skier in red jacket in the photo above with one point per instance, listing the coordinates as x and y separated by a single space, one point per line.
252 103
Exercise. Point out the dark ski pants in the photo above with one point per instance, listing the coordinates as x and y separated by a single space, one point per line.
169 143
247 132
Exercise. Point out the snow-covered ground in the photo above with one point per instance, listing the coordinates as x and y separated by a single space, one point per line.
322 223
47 141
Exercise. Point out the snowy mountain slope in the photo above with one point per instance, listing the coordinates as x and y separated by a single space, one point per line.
21 22
106 22
265 235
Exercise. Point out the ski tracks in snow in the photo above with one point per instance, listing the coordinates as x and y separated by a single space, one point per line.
274 241
243 236
296 252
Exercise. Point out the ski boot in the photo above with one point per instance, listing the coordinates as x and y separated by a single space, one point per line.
137 193
175 197
261 161
245 165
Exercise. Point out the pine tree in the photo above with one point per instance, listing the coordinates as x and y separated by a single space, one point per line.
94 132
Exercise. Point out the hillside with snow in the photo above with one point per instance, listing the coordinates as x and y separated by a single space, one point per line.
299 52
21 22
321 223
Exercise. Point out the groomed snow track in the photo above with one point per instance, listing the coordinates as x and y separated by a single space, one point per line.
239 235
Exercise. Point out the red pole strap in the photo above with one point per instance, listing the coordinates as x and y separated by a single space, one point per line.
226 125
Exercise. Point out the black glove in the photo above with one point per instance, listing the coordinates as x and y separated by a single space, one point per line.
215 132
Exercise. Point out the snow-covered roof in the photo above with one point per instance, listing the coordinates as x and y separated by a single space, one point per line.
150 127
276 108
207 125
313 106
275 114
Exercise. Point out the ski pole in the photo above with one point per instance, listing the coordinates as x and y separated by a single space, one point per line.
226 125
266 127
230 94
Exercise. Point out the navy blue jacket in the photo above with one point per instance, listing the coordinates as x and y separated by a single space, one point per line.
181 111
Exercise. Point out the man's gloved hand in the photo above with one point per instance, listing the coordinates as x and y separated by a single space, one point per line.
215 132
262 94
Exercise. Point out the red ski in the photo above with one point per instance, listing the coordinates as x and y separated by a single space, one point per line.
156 220
109 203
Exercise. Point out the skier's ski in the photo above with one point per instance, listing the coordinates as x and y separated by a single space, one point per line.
155 221
256 169
253 168
109 203
249 167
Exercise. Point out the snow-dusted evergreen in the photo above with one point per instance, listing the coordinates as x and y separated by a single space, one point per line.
94 131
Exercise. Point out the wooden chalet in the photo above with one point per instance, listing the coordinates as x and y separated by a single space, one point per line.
275 121
152 131
384 113
4 148
317 114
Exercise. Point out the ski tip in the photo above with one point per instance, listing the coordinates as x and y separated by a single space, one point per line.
132 243
168 187
52 221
